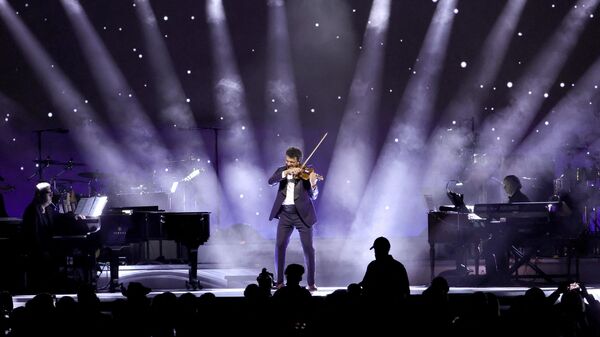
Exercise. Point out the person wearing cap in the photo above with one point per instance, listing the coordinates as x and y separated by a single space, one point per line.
386 278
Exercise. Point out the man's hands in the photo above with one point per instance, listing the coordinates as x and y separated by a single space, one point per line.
313 179
292 171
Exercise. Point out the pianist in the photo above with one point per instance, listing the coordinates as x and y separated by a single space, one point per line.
40 223
512 187
496 248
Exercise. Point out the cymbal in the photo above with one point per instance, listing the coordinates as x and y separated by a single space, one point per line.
94 175
56 162
71 180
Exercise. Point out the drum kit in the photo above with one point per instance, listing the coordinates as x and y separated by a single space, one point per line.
583 183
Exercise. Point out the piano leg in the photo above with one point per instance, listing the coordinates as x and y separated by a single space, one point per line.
432 259
192 282
114 285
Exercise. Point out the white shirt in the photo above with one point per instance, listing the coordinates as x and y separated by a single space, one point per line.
289 192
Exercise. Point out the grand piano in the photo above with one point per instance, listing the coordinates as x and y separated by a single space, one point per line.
76 242
124 226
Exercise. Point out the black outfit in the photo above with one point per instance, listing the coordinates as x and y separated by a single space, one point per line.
37 231
301 215
518 197
497 248
386 279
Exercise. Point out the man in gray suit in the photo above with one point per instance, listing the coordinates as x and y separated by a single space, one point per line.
294 208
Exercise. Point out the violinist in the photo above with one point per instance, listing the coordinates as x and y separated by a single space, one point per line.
294 208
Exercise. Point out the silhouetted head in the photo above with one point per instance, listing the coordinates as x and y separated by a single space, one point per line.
293 273
43 194
382 246
511 185
136 290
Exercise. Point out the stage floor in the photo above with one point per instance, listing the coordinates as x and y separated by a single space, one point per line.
231 282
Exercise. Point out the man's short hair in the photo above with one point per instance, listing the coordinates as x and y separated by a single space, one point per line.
514 180
294 152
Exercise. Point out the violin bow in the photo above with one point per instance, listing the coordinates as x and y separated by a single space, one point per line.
315 149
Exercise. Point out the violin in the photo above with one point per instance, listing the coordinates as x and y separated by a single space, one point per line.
305 173
305 170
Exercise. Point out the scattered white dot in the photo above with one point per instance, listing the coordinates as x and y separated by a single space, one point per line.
208 161
339 97
591 16
252 50
86 101
275 110
497 138
312 110
387 207
188 100
222 118
130 95
453 122
463 64
75 110
493 129
189 71
353 10
553 5
257 213
120 29
546 123
529 92
22 168
242 196
6 119
192 17
509 84
166 18
481 86
52 66
273 100
537 131
455 10
7 115
166 35
347 181
562 84
104 27
316 24
243 127
520 34
167 169
337 36
140 55
396 140
50 114
546 95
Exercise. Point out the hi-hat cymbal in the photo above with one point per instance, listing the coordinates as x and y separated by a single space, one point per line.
56 162
94 175
71 180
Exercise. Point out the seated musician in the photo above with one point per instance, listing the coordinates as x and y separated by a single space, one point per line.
497 247
38 226
512 187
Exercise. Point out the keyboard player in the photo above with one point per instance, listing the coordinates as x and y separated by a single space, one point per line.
40 223
496 249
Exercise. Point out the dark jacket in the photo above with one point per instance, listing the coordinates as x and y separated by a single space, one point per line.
518 197
303 197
